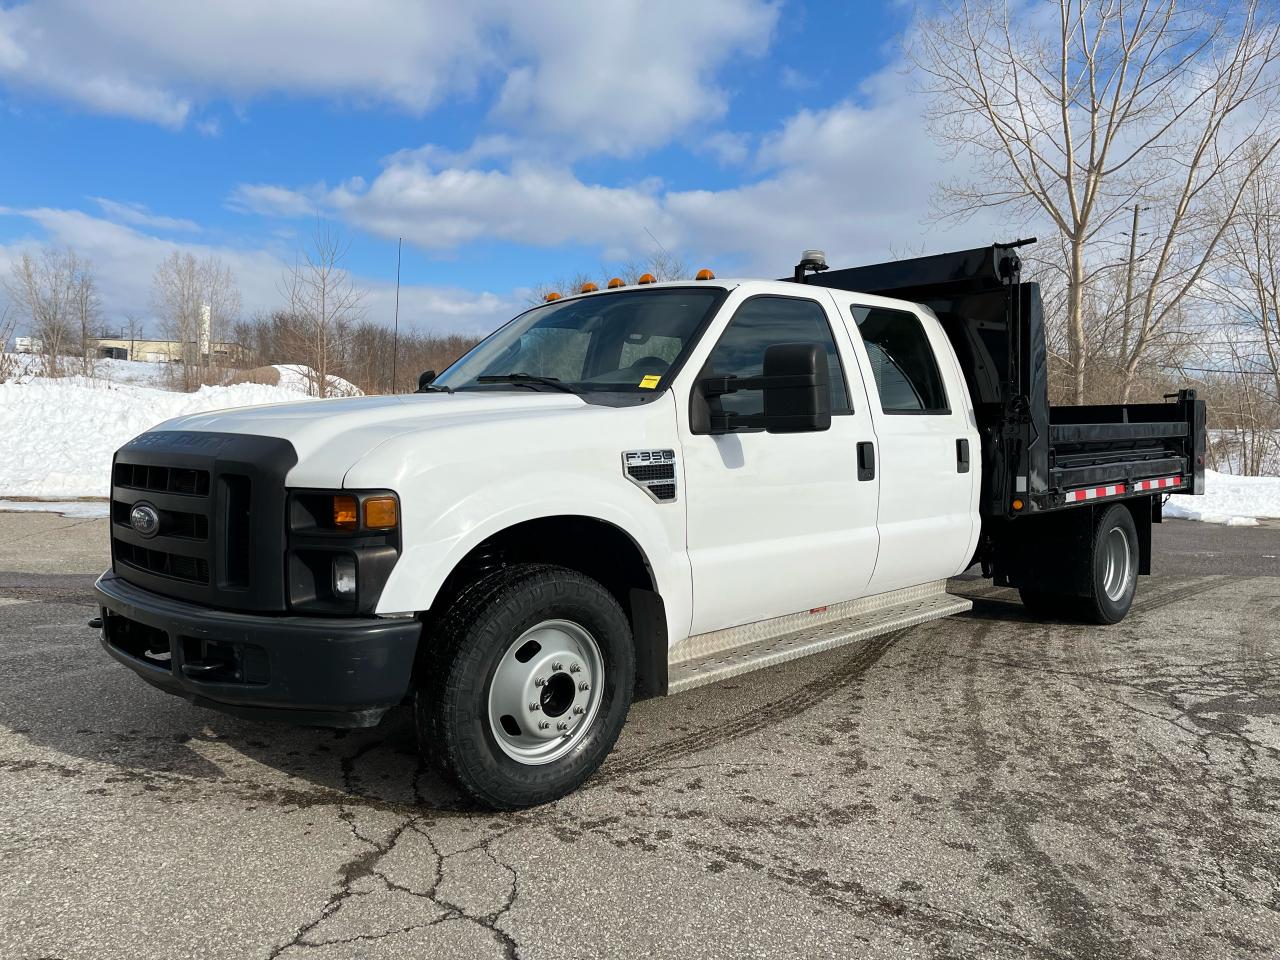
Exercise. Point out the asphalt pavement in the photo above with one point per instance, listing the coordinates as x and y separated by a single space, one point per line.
985 786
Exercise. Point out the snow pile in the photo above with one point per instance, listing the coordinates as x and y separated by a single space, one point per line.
1235 501
57 436
299 377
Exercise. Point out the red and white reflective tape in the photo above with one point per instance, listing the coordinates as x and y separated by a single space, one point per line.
1158 484
1093 493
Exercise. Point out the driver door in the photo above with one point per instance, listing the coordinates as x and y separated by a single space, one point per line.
778 523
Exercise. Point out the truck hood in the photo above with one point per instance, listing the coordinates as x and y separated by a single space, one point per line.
329 436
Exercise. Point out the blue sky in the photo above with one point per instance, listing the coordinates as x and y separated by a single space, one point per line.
508 143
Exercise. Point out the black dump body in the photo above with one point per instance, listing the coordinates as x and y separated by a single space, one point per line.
1036 458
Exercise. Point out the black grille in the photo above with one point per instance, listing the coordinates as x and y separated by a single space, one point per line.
220 499
190 569
161 479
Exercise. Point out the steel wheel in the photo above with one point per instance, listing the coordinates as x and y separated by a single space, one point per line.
1117 557
545 691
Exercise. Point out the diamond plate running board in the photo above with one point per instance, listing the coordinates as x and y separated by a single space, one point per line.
711 657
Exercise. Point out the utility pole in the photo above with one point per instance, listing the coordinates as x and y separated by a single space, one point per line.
395 336
1128 283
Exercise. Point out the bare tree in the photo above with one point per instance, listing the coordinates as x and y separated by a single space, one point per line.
1248 286
86 311
324 302
8 362
44 288
177 297
1072 117
663 266
133 329
197 302
221 305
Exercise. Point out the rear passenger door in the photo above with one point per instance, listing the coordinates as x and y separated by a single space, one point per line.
927 445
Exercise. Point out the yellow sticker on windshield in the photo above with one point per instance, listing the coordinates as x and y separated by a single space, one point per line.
650 382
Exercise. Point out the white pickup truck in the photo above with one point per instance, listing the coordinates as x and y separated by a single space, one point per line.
628 493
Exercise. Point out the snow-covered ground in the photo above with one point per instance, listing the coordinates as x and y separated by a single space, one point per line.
57 436
1235 501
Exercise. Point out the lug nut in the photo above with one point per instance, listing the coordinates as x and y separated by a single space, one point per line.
575 668
543 724
539 681
579 710
562 725
534 705
557 666
583 686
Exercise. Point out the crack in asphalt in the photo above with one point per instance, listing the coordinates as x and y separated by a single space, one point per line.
365 864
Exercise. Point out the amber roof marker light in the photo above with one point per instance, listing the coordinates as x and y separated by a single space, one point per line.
551 296
615 283
704 274
588 287
647 278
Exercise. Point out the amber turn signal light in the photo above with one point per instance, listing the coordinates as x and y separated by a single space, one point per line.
1018 504
346 514
381 513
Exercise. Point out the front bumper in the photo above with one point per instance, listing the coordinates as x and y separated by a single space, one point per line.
326 671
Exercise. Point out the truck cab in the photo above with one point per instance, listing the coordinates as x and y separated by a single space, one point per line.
618 494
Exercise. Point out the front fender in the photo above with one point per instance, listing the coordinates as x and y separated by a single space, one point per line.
438 536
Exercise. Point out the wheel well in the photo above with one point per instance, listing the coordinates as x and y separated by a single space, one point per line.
1044 551
597 549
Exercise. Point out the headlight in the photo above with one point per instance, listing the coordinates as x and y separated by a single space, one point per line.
342 548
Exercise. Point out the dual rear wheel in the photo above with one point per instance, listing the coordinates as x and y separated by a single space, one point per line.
1109 553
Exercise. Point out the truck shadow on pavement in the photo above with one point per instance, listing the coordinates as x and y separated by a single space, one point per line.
71 702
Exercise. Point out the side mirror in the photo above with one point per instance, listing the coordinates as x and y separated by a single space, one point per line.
797 388
424 380
797 393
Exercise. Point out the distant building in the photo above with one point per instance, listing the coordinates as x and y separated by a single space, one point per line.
28 345
163 351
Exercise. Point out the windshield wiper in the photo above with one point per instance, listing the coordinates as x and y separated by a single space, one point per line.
527 379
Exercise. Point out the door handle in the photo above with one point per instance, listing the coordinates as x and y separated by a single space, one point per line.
866 460
962 456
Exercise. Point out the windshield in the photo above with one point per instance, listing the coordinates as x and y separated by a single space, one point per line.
625 341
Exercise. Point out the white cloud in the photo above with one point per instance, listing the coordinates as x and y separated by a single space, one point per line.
616 75
138 215
625 75
792 79
124 261
270 200
853 179
728 147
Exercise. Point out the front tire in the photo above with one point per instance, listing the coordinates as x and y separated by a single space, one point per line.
526 682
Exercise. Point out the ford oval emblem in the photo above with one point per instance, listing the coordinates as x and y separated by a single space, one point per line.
145 520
